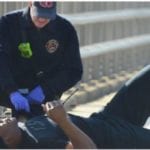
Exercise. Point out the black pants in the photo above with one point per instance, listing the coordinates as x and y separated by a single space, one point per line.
132 102
120 124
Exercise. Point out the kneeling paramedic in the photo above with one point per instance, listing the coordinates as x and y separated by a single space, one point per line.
39 57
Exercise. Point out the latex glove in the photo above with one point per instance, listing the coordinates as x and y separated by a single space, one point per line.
19 101
36 95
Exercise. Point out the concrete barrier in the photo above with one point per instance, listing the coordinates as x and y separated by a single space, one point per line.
106 59
96 27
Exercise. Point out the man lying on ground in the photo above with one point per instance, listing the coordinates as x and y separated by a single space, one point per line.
15 137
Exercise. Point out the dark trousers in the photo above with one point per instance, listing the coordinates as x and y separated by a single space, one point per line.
125 115
132 102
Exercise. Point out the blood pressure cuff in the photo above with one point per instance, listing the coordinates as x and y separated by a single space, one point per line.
44 133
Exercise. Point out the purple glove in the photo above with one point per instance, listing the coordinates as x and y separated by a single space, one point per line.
19 101
36 95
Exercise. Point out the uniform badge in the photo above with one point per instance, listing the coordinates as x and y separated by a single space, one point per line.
52 46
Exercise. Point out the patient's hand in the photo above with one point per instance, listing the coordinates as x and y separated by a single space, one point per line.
10 132
56 111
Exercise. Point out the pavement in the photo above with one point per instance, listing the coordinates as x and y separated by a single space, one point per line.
88 108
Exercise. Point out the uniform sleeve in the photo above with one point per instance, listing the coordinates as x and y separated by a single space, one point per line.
7 83
70 71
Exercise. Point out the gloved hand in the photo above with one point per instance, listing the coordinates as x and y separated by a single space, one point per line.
36 95
19 101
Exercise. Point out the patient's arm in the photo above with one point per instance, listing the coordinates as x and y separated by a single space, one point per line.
77 137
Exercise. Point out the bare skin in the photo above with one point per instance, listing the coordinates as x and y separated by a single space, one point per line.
10 133
57 113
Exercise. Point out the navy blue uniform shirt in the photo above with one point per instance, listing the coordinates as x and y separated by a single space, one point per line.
55 63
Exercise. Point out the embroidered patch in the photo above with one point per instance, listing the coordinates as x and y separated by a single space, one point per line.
52 46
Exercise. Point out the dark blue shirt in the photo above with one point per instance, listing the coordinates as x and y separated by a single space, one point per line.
55 63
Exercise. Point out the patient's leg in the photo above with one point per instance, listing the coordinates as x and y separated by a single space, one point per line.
132 102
